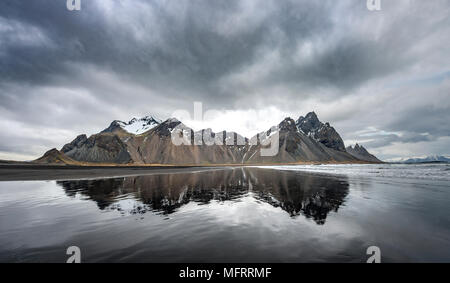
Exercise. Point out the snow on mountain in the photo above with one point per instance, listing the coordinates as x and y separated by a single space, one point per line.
433 158
421 159
139 126
149 141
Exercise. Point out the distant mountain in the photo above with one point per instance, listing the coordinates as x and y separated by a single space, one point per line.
361 153
148 140
428 159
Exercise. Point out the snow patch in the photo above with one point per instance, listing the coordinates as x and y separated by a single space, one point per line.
140 126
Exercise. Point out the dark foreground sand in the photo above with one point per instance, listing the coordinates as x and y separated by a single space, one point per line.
55 172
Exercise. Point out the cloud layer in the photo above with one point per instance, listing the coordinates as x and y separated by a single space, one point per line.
381 78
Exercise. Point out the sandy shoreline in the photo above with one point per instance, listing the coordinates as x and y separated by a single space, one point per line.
16 171
55 172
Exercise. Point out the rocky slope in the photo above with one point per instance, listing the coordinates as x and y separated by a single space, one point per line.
361 153
54 156
103 148
296 146
149 141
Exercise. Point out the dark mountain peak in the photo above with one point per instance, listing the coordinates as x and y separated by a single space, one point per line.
312 116
166 127
171 120
309 122
288 124
81 137
114 126
172 123
311 126
148 120
77 142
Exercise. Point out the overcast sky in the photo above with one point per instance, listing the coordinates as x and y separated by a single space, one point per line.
380 78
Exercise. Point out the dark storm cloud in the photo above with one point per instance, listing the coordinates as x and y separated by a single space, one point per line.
420 124
186 51
192 49
113 59
187 48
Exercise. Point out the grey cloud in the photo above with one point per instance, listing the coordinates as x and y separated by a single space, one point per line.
386 140
188 49
424 119
115 59
185 51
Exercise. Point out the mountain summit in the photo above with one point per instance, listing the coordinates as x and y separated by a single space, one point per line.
149 141
323 133
134 126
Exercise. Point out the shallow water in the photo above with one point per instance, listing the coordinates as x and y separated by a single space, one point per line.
282 214
430 171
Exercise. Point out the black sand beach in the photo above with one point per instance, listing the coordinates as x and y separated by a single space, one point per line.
67 172
232 214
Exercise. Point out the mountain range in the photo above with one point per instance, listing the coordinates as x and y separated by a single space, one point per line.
148 140
427 159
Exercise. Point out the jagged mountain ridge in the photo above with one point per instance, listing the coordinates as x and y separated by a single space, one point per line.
296 146
134 126
361 153
323 133
304 140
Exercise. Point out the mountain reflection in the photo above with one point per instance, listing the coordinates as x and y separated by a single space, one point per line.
312 196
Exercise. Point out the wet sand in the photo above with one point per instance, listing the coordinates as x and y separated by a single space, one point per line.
25 171
241 215
59 172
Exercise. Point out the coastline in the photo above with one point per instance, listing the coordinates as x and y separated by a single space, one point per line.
43 172
22 171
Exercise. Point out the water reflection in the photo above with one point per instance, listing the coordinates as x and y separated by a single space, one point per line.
298 194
